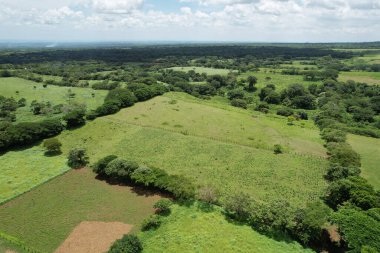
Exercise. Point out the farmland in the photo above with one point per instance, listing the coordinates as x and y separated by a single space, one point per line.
68 200
189 224
208 71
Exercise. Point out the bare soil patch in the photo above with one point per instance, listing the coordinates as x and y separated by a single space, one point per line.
93 237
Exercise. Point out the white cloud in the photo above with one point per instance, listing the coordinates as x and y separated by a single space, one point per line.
116 6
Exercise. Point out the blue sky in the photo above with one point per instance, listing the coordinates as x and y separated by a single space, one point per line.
191 20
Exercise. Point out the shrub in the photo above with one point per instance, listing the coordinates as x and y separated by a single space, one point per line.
235 94
262 107
124 96
77 158
333 135
152 222
163 206
109 107
310 221
360 230
208 195
127 244
100 166
120 169
52 145
336 172
239 103
285 111
343 154
278 149
75 118
238 206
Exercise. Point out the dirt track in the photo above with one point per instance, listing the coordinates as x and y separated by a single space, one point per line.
93 237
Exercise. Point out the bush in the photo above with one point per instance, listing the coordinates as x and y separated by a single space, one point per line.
278 149
235 94
123 96
120 169
127 244
239 103
208 195
53 146
359 229
75 118
343 154
163 206
77 158
109 107
152 222
100 166
333 135
336 172
310 222
285 111
238 206
28 132
262 107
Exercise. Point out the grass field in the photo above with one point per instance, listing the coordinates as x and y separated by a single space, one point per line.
369 150
208 71
23 170
361 76
227 164
44 217
189 229
280 81
54 94
183 113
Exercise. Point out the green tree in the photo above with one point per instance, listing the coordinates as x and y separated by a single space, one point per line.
52 145
77 158
127 244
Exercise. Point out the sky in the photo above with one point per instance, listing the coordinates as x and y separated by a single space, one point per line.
190 20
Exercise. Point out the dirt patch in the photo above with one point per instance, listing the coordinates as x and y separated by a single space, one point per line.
10 251
93 237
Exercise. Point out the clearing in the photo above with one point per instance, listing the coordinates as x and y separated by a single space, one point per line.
208 71
361 76
369 150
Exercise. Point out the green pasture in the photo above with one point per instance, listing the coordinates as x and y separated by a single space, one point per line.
192 229
24 169
216 157
361 76
180 112
54 94
44 217
369 150
266 76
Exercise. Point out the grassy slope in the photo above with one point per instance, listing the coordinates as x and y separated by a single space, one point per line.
44 217
229 166
202 118
54 94
369 150
189 229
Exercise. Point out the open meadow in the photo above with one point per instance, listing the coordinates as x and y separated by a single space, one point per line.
201 70
20 88
211 232
361 76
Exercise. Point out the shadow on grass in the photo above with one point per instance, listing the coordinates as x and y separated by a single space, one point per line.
21 148
140 190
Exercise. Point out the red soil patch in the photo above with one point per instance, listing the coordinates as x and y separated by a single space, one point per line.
93 237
